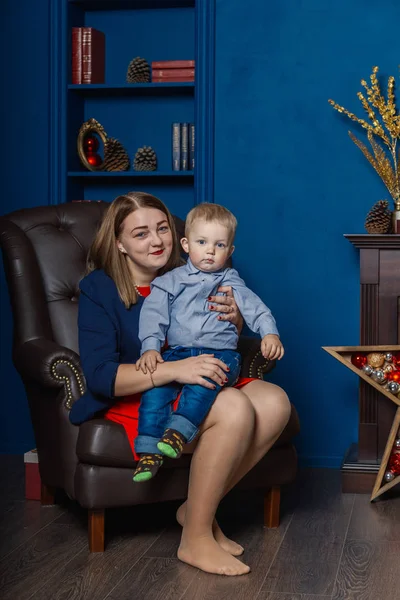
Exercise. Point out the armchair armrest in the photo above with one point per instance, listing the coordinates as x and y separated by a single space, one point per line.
48 364
253 362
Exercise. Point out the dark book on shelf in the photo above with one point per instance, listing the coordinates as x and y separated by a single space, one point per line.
93 55
191 146
176 146
173 64
76 51
184 146
172 73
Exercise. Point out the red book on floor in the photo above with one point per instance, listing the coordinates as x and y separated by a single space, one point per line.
170 73
33 482
172 64
76 53
93 55
171 80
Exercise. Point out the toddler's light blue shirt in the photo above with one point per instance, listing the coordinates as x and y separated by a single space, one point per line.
178 309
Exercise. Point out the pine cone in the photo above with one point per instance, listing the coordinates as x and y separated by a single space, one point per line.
138 71
115 156
145 159
379 218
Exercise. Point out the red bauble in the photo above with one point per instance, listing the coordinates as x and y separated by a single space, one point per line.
94 159
396 359
358 360
90 144
394 376
394 463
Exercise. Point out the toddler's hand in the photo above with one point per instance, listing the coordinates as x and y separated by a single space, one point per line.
271 347
149 360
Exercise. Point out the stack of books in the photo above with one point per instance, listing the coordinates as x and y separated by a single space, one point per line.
88 55
163 71
183 140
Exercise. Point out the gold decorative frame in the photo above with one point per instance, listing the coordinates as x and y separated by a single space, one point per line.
90 126
343 355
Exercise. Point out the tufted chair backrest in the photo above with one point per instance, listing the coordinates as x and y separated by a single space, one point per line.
44 253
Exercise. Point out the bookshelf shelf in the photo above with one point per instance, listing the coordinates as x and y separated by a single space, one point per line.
139 114
135 88
130 174
131 4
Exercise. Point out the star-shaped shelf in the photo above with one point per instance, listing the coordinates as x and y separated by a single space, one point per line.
343 355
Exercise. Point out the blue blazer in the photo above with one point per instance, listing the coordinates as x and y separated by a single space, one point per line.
108 337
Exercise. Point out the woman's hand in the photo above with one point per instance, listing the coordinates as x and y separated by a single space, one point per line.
226 305
149 360
193 370
271 347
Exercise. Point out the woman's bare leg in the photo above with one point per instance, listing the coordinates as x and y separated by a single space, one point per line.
223 443
272 411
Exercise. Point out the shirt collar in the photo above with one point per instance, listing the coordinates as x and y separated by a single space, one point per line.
192 270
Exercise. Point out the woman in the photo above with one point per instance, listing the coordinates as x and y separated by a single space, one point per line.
136 242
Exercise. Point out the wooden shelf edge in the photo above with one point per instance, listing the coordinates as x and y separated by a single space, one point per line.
106 174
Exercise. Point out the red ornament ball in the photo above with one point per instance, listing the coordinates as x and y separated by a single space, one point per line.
394 376
94 159
396 358
90 144
358 360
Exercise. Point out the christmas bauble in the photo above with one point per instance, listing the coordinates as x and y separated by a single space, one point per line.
379 376
90 144
389 476
388 357
358 360
396 358
368 370
94 159
394 376
393 387
397 444
375 359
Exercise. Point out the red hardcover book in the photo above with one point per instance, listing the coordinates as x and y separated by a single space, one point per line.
172 73
93 55
172 64
76 52
170 80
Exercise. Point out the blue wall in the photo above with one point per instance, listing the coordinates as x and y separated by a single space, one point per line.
286 167
24 174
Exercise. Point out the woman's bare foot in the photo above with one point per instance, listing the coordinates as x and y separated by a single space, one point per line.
225 543
206 554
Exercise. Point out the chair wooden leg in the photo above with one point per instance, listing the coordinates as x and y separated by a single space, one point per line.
271 507
47 495
96 530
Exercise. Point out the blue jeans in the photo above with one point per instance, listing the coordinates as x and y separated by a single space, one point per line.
155 412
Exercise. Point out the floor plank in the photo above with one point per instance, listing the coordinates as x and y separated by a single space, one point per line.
155 579
22 520
273 596
93 576
368 571
376 521
305 564
26 570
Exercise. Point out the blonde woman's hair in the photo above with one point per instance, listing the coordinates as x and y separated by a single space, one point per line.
212 212
104 253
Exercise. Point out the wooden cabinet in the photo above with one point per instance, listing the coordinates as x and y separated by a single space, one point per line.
379 324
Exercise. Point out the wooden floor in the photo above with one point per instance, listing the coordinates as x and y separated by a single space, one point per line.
329 545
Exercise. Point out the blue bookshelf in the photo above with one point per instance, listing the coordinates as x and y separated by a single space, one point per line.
135 114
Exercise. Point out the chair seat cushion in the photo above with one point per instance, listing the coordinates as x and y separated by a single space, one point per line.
104 443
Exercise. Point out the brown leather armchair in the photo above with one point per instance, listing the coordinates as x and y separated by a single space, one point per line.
44 252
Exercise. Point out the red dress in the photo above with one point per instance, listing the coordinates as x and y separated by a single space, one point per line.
126 411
